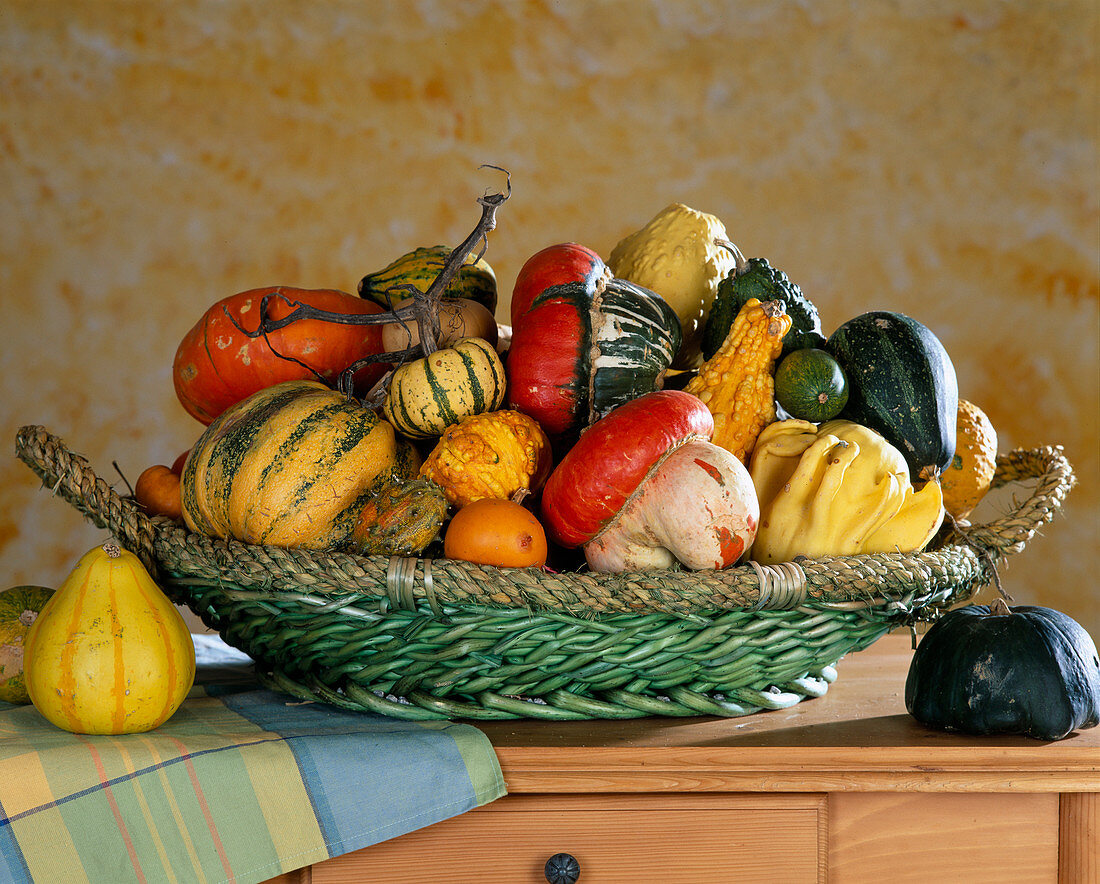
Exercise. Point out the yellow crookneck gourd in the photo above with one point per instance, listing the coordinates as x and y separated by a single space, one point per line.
737 384
837 489
109 653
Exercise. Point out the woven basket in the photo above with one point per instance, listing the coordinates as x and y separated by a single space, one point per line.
441 639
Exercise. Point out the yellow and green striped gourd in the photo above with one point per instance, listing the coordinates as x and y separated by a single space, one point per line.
430 394
475 279
292 465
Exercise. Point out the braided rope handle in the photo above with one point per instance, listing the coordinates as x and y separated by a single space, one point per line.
1008 534
70 476
893 578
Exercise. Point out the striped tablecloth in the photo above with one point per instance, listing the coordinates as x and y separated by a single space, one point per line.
241 784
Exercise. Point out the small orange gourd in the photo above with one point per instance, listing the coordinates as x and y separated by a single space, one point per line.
969 476
158 491
496 532
737 384
109 653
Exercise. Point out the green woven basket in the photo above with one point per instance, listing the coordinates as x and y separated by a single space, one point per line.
441 639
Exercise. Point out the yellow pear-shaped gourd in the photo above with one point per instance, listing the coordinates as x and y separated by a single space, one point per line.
109 653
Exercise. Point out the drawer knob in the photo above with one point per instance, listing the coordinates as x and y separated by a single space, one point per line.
562 868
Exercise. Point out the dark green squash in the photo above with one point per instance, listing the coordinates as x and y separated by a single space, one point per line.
756 278
1000 670
901 383
810 385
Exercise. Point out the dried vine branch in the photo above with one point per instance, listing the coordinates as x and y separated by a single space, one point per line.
423 310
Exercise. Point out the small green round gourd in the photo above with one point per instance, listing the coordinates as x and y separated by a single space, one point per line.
999 670
810 385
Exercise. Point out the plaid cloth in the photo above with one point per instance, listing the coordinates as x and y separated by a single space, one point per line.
241 784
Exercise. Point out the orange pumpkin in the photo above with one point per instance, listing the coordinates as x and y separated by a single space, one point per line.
218 365
492 531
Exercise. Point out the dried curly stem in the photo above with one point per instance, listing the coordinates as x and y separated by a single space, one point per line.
424 309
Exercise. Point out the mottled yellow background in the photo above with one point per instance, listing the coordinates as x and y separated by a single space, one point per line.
935 158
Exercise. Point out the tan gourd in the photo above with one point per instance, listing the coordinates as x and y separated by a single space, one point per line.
458 318
109 653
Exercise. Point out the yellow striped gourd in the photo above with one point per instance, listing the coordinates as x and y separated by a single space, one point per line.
109 653
291 466
430 394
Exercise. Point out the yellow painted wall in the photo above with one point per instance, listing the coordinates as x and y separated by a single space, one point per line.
930 157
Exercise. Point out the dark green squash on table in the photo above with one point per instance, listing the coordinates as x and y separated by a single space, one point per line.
988 670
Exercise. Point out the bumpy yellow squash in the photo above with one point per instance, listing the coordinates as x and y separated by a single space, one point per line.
109 653
494 455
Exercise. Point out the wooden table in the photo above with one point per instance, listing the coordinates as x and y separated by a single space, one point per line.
847 787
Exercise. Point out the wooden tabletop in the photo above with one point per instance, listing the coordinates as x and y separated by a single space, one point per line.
858 737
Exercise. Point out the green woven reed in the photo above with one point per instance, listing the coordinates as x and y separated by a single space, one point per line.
451 639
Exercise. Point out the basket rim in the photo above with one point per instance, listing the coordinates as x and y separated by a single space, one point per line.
966 560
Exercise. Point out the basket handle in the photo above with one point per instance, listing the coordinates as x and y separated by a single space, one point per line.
72 477
1009 534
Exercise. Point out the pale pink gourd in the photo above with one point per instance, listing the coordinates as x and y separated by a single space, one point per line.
697 506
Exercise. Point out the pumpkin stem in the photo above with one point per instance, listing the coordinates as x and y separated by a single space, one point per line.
983 553
428 302
999 606
112 549
741 264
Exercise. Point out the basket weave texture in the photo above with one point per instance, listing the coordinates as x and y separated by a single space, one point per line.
444 639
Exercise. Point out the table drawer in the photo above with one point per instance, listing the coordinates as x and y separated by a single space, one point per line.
655 837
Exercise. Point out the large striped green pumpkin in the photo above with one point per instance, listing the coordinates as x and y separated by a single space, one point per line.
292 465
428 395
